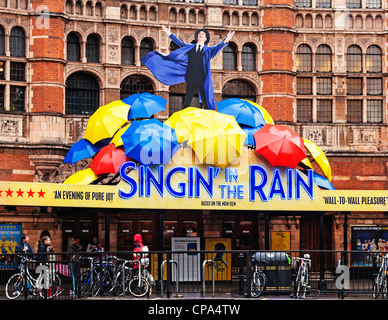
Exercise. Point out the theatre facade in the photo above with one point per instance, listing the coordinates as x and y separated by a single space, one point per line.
318 67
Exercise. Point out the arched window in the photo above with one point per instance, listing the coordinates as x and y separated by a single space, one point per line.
303 58
17 42
239 89
82 94
173 46
89 9
92 49
2 42
123 12
69 7
230 57
98 10
127 52
248 57
354 59
135 84
373 59
73 48
323 59
145 47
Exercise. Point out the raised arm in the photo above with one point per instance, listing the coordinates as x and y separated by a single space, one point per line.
173 37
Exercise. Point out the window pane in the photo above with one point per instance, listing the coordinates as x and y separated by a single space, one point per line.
82 94
18 72
135 84
354 111
373 3
354 59
92 49
324 110
229 57
304 86
2 70
304 110
17 98
231 2
374 86
303 3
17 43
323 3
239 89
250 2
303 58
324 86
353 3
2 89
2 41
373 59
145 48
248 58
73 48
323 59
375 111
127 52
125 234
354 86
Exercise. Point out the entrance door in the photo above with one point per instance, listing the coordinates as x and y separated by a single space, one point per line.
83 228
241 232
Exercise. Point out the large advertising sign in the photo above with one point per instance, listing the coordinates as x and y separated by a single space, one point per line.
252 184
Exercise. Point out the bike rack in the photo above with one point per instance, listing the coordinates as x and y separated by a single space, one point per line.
177 277
203 277
123 269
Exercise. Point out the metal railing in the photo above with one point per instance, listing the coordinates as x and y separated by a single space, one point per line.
203 273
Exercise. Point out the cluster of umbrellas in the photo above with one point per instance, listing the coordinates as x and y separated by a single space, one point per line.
124 130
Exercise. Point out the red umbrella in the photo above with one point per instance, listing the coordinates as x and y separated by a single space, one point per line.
279 145
108 160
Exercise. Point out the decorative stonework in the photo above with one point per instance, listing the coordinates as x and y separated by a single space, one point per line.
11 127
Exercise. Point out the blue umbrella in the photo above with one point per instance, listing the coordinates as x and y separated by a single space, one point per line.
81 150
144 105
321 181
249 132
150 142
244 112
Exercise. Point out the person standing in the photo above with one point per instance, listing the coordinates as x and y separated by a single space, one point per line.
74 247
24 247
45 249
189 63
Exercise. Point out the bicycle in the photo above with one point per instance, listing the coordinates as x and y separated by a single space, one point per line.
380 282
46 288
302 277
141 283
258 281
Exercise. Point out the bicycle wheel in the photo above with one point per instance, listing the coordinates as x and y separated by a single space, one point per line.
88 284
14 286
119 290
138 288
54 288
377 286
384 289
257 284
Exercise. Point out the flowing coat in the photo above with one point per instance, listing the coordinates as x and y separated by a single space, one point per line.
171 69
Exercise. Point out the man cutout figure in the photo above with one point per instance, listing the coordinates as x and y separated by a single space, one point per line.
189 63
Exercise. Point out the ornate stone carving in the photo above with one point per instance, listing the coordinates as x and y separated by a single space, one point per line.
11 127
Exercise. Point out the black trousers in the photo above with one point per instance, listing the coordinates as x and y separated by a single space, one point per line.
191 87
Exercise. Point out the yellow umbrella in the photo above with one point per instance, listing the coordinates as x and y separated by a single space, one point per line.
181 121
266 115
85 176
116 140
319 156
306 162
106 120
216 138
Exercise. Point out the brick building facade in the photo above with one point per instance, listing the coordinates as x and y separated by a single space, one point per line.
318 66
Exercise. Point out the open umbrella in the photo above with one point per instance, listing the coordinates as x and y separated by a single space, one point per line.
150 142
83 177
244 112
217 139
144 105
106 120
181 121
319 156
249 132
116 140
108 160
280 145
82 149
267 117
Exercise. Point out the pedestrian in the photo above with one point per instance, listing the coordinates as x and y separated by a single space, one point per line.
45 249
139 247
23 247
95 245
39 242
189 63
73 247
